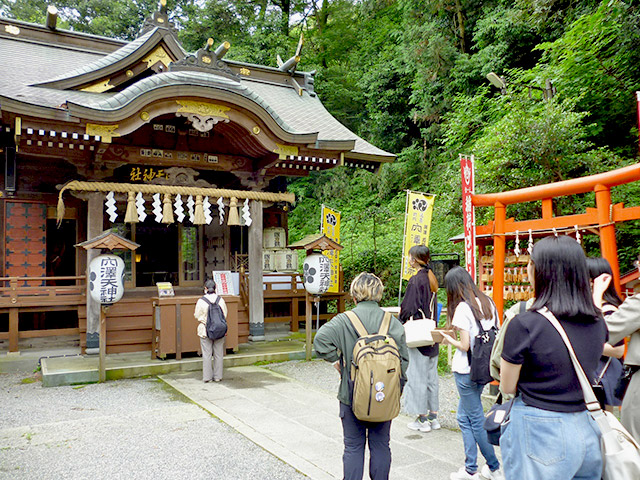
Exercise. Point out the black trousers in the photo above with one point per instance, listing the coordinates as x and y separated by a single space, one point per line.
356 434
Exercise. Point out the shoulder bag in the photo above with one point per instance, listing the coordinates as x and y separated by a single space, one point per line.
418 332
620 452
496 417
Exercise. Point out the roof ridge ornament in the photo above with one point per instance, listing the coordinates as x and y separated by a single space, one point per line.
205 60
160 19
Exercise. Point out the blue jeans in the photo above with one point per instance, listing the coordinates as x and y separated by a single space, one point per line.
541 444
470 418
355 438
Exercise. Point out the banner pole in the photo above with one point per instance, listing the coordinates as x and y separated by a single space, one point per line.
406 207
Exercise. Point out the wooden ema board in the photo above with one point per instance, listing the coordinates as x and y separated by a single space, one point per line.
437 334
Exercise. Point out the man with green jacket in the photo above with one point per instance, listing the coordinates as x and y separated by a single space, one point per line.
334 342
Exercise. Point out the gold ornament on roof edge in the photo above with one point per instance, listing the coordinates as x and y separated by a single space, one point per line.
202 108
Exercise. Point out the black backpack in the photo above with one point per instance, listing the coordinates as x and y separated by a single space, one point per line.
480 356
216 323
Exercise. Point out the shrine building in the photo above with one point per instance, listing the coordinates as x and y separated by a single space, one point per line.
184 153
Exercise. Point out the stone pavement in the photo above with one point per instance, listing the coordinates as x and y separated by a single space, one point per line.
299 423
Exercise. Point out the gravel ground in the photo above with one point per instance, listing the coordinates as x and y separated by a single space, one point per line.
128 429
322 375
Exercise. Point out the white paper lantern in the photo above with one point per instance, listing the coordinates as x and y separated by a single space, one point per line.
106 279
316 273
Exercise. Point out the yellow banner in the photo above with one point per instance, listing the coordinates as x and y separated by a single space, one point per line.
331 228
417 227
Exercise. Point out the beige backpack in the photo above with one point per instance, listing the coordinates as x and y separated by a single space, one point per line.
375 373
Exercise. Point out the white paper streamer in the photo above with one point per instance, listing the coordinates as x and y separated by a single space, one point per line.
246 214
516 250
177 208
157 207
110 205
530 247
578 235
190 205
142 214
221 210
206 206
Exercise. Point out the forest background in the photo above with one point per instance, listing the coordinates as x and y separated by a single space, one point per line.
410 76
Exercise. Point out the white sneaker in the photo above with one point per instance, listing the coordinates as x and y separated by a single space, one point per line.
489 475
435 424
420 425
462 474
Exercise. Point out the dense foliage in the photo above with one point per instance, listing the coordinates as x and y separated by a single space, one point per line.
410 77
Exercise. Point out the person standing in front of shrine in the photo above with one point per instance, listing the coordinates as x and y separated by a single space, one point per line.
421 393
210 347
334 343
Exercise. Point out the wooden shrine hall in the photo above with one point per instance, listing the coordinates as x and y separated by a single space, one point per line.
186 154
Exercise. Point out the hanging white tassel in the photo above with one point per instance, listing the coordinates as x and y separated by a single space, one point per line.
190 208
530 247
142 214
177 208
221 210
516 250
206 206
110 205
578 235
157 207
246 214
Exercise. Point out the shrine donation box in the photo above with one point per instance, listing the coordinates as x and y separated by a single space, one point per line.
175 327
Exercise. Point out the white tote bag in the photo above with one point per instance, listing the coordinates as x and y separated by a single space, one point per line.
418 332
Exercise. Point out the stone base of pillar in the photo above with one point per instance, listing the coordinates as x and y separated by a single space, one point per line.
93 343
256 332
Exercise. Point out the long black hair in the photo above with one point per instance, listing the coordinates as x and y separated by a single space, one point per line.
597 266
461 288
561 278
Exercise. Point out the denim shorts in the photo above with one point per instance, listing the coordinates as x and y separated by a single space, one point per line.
541 444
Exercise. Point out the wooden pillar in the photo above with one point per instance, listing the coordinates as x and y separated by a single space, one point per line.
499 245
102 370
256 293
295 307
13 330
94 228
608 244
307 325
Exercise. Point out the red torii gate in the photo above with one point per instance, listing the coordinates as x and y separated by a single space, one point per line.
603 217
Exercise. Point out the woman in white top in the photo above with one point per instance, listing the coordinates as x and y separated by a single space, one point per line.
466 305
210 347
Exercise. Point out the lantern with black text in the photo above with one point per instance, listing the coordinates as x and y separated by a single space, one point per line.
317 273
106 279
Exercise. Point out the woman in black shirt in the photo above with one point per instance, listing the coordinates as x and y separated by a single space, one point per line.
550 433
421 392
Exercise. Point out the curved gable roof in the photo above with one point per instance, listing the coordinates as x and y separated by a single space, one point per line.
119 60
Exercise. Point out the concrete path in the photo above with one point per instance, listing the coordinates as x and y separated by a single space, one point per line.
299 424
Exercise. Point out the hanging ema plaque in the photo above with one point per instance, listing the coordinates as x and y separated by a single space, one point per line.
106 279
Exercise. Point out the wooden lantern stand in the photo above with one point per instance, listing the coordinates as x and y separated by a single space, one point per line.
105 241
312 244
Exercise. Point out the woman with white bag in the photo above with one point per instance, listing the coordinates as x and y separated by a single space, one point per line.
421 392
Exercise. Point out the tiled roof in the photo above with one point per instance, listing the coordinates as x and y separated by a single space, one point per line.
107 60
25 64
